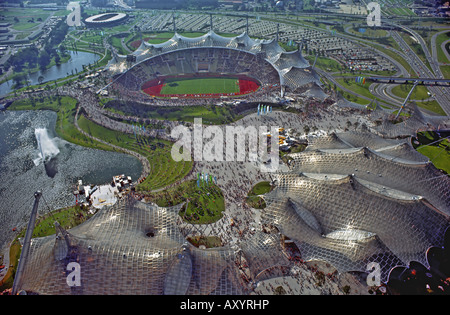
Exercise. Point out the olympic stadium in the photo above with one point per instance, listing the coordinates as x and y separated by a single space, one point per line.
259 66
105 19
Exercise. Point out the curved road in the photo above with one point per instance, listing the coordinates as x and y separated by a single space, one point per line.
434 48
447 55
441 94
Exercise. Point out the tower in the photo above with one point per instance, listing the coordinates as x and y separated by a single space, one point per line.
247 25
211 22
174 25
278 31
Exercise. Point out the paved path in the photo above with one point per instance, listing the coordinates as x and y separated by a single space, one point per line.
423 71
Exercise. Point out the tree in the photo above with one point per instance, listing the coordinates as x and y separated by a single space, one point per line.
43 60
41 79
62 49
18 78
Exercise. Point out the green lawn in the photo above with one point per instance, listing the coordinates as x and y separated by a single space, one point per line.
164 170
210 114
361 89
117 43
401 11
439 40
22 35
432 105
205 204
253 199
200 86
437 151
21 26
445 71
369 32
26 18
402 90
325 63
440 155
419 93
67 217
260 188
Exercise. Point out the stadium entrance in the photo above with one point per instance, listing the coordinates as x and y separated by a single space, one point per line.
200 86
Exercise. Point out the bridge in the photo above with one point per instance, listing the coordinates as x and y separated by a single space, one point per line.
398 80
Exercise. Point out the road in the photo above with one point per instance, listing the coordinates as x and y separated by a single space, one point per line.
441 94
447 55
432 59
333 79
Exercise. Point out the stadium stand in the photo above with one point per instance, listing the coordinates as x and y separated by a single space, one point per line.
263 60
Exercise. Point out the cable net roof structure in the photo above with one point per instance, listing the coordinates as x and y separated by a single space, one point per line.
130 248
263 253
293 70
389 148
339 202
349 205
395 167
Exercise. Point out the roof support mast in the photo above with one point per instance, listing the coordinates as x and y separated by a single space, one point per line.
247 25
174 25
406 99
211 21
26 244
278 30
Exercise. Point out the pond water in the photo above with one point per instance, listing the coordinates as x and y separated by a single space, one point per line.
74 65
22 171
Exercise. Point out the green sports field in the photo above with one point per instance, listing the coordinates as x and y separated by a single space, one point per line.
200 86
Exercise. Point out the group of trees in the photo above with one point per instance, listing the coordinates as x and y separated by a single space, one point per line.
25 58
30 58
58 34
